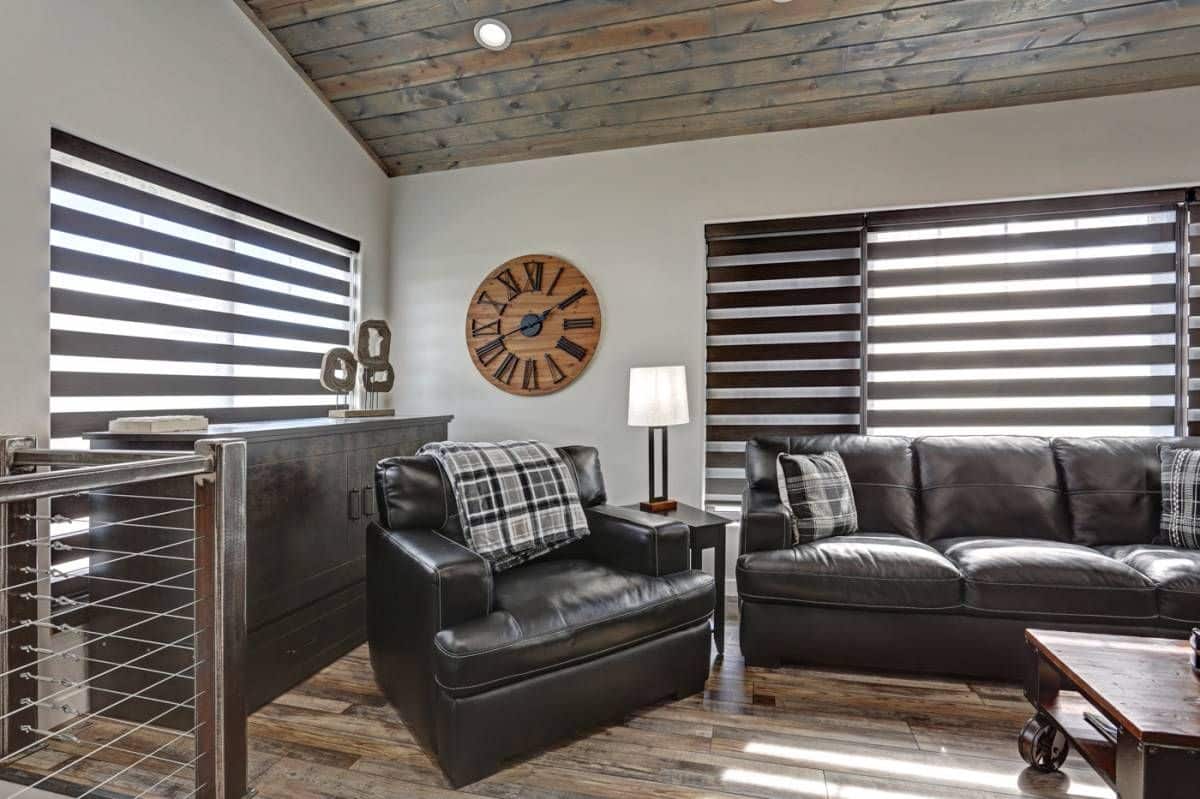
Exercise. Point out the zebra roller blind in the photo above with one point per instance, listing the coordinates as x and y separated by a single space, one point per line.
1191 243
783 330
1054 317
168 296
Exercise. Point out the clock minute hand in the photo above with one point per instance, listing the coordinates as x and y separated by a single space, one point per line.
533 323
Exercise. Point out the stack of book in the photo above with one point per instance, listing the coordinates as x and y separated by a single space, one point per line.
158 424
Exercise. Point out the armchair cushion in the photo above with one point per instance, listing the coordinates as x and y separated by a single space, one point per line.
632 540
556 613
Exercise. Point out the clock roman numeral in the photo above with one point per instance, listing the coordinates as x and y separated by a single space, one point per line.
574 298
554 282
575 324
509 282
530 379
484 299
533 272
571 348
508 368
490 351
558 374
489 329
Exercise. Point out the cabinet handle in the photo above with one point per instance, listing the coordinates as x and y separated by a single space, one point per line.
353 511
368 503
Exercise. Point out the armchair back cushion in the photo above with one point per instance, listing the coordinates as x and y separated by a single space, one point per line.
413 493
990 486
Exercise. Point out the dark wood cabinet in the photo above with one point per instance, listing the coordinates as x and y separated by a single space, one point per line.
309 497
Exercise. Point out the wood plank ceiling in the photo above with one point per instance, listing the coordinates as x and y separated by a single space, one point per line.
585 75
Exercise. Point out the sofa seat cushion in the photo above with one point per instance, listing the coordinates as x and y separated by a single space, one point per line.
873 570
1035 577
1176 573
552 614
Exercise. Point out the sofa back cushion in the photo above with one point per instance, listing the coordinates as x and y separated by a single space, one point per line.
880 467
412 492
998 486
1113 487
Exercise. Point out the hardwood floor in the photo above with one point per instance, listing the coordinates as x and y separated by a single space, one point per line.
790 732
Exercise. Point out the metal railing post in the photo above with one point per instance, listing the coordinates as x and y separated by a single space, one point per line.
221 621
14 529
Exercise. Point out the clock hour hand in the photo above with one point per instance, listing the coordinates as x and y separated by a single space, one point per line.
532 323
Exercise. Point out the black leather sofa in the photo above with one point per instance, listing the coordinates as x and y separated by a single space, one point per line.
485 666
965 542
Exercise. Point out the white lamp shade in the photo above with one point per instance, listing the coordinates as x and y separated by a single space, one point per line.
657 396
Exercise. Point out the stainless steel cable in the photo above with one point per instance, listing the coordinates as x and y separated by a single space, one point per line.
87 755
131 522
77 684
99 637
107 780
193 792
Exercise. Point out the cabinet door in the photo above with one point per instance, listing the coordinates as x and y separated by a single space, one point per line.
296 546
361 474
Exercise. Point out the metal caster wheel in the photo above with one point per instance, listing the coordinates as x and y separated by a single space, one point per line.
1042 745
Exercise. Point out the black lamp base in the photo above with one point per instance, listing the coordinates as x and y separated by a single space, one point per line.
658 503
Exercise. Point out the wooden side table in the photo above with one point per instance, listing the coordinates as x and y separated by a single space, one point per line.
707 532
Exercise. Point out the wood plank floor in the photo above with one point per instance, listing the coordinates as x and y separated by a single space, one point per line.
790 732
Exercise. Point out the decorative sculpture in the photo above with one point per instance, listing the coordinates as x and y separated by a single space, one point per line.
340 368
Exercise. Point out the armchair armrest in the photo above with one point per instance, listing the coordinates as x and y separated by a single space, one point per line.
764 524
418 583
636 541
427 575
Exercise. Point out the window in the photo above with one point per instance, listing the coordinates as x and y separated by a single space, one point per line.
168 296
783 330
1051 317
1045 318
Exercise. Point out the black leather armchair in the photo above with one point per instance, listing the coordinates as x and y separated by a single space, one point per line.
485 666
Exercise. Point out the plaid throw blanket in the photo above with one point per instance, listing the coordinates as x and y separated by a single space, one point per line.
517 500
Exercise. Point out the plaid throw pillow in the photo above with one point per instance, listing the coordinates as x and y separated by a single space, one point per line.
1180 526
816 491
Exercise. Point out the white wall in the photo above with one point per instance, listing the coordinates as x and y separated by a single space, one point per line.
633 221
189 85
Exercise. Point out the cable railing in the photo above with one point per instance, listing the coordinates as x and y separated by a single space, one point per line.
122 621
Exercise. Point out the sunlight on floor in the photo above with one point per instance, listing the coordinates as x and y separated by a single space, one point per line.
819 758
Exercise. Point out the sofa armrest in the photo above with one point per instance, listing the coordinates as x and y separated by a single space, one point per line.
418 583
635 541
764 525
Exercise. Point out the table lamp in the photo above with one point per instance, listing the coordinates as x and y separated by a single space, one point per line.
657 400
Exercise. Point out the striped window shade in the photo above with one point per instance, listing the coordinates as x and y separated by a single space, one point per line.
168 296
783 332
1191 244
1055 317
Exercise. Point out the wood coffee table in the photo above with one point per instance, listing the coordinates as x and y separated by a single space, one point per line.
1143 690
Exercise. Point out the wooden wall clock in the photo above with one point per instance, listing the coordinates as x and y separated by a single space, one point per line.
533 325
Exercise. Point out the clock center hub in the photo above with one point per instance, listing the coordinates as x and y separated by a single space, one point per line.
531 324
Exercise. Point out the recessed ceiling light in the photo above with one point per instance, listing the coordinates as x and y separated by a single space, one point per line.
493 34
